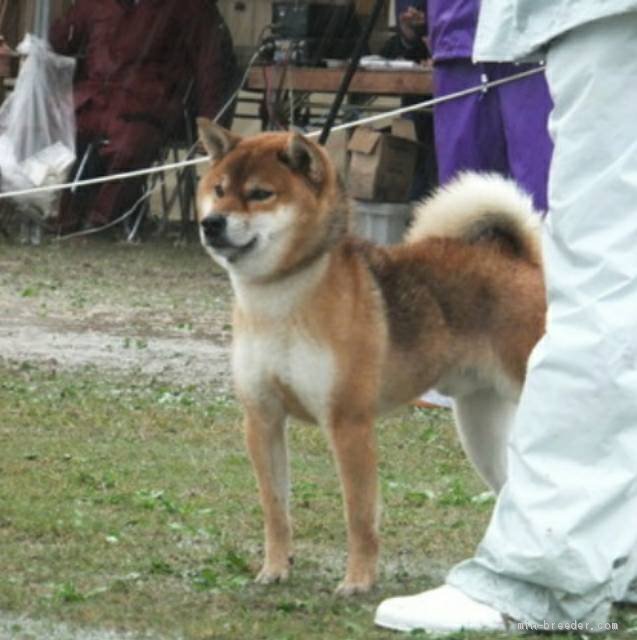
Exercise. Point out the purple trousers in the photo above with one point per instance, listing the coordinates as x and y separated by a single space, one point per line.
502 130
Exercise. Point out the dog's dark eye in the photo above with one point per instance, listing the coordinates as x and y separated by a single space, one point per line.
259 194
219 191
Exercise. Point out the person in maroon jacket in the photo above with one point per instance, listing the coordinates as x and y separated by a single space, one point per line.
139 61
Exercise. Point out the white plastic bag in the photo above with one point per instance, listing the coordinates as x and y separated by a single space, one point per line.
37 123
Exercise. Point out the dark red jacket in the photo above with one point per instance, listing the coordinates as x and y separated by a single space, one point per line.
141 58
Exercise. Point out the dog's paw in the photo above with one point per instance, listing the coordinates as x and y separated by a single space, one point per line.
271 575
350 588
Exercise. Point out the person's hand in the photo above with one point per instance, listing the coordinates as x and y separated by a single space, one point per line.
411 23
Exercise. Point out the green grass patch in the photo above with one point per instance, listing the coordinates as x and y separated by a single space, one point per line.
128 503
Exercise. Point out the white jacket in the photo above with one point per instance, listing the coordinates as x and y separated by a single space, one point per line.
516 29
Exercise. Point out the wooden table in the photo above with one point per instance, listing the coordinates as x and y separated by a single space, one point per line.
328 80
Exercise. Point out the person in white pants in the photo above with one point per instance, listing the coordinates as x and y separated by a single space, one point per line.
561 546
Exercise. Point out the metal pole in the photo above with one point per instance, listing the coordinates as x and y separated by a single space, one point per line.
351 70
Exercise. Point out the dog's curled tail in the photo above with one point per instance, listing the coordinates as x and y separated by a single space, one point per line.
481 207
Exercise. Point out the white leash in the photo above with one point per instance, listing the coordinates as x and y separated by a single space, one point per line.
483 87
172 166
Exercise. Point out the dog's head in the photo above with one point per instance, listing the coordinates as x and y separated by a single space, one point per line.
269 204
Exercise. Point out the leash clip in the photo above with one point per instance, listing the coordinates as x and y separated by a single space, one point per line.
484 79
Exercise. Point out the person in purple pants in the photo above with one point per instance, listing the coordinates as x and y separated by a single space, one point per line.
503 129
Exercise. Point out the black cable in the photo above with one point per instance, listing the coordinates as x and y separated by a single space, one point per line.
351 70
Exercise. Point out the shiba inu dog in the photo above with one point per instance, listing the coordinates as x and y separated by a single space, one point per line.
335 330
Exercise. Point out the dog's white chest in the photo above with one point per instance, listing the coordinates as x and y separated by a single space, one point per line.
287 365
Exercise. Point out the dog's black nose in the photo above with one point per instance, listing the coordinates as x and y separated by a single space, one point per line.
214 225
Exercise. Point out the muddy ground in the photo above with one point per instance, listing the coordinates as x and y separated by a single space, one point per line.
157 309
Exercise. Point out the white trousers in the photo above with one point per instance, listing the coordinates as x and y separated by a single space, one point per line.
562 542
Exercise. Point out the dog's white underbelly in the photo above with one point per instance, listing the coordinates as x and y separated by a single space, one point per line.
263 363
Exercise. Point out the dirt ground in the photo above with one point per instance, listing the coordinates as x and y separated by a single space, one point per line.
155 308
110 512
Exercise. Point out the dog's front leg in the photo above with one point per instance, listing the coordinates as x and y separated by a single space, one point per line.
354 446
267 445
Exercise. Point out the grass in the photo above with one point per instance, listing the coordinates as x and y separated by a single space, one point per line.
157 286
128 503
131 505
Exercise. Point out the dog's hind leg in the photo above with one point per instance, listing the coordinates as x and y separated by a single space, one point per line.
354 446
484 419
267 445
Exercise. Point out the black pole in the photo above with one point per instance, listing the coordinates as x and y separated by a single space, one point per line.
351 70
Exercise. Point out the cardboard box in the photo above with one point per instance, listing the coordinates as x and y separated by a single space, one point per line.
336 147
383 162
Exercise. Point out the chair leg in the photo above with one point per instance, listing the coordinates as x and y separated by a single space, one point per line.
190 200
4 214
179 187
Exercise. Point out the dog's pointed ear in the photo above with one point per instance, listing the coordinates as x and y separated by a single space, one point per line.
216 140
304 156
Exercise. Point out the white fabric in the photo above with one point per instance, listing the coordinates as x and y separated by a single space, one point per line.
441 610
515 29
437 399
562 542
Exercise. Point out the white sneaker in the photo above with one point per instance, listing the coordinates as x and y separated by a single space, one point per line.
442 610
